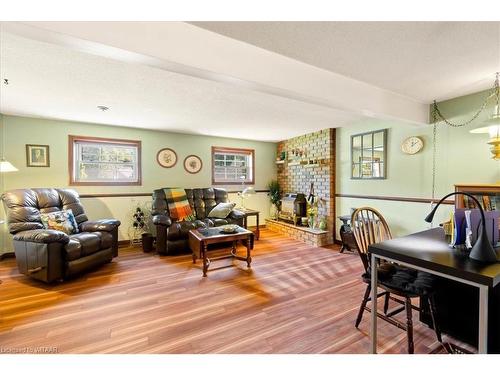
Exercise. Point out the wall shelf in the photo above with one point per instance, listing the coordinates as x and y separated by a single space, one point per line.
304 162
312 165
488 195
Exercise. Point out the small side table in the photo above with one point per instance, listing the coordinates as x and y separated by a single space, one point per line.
346 234
249 212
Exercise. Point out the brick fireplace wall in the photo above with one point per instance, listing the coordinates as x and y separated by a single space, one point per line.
298 178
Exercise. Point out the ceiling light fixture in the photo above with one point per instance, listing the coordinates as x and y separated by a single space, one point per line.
103 108
490 126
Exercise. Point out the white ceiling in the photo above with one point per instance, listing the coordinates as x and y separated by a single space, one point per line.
421 60
254 80
50 81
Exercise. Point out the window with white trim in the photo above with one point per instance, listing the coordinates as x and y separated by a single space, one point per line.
232 166
104 161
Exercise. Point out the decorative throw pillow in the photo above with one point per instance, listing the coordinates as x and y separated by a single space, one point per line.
63 221
221 211
178 204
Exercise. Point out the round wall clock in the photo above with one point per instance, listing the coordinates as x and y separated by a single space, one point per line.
166 157
412 145
192 164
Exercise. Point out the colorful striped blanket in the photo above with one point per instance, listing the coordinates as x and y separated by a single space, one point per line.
178 204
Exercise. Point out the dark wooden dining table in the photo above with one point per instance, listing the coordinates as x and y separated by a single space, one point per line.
429 251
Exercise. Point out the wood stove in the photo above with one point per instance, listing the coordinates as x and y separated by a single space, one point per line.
293 207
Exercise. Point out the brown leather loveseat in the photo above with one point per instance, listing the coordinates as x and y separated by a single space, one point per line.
172 236
50 255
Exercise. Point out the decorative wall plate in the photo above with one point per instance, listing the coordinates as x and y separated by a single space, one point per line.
192 164
166 157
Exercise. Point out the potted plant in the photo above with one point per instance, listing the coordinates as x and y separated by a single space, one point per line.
274 197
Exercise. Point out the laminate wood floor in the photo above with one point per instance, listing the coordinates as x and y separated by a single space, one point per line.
295 299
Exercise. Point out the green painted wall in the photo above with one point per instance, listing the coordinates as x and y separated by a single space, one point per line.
20 131
462 158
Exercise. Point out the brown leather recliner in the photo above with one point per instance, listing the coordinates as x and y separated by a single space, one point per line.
50 255
172 236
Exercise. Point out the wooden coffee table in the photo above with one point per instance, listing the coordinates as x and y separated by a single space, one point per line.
199 239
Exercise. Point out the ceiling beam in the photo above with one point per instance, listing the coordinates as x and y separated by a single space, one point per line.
186 49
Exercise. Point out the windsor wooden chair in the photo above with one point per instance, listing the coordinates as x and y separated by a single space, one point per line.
370 227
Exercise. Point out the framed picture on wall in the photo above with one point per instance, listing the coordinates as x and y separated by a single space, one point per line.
166 157
192 164
37 156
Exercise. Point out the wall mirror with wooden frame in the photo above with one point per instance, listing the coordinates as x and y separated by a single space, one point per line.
369 155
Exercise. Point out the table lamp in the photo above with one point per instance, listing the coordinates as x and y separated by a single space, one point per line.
246 193
482 250
6 166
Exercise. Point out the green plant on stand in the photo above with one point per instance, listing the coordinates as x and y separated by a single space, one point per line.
274 197
312 212
323 223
